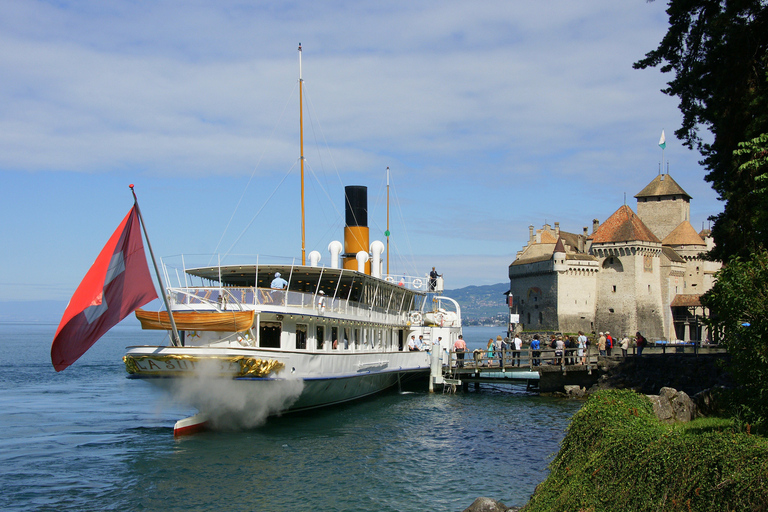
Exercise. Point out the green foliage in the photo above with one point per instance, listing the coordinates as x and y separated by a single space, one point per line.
618 456
738 303
718 52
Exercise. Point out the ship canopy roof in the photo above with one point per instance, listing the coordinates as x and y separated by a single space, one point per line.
334 282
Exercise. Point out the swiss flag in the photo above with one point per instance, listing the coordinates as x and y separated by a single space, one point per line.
117 283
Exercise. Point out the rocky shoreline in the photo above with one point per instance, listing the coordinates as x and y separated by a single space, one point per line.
680 388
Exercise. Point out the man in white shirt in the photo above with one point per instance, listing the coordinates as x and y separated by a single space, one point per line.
517 346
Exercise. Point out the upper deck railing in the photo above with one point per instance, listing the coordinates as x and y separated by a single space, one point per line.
242 298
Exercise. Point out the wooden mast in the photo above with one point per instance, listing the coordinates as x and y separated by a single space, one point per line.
301 143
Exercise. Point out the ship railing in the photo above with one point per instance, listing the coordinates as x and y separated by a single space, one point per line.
239 298
418 283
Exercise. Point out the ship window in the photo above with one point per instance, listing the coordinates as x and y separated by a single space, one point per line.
357 336
320 337
335 336
301 337
269 334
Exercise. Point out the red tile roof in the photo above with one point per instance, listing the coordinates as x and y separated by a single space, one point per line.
623 226
683 234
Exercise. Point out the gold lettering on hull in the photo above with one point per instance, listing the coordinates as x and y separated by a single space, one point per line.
177 364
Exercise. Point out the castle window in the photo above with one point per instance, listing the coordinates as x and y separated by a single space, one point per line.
541 318
610 310
529 318
614 288
649 288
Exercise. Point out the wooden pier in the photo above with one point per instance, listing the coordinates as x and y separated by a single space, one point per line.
545 370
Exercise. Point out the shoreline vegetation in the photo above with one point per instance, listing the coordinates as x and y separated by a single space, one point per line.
617 455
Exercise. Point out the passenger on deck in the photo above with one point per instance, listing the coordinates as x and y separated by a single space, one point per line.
420 343
412 344
433 279
278 285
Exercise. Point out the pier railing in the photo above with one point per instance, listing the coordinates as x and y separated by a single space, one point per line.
484 360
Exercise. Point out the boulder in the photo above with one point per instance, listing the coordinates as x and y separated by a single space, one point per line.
574 391
487 505
671 406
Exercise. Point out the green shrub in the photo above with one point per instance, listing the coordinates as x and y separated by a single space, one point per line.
617 456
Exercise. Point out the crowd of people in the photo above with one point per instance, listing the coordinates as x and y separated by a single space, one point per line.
559 349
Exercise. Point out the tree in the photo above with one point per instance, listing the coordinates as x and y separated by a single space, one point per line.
739 301
718 50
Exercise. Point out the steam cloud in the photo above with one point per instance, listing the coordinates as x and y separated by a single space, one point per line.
234 404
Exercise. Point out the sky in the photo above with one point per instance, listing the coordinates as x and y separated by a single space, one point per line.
491 116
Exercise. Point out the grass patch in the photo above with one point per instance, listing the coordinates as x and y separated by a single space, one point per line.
617 456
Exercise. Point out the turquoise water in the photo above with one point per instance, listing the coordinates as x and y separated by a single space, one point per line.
90 439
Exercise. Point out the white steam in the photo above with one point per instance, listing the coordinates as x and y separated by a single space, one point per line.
234 404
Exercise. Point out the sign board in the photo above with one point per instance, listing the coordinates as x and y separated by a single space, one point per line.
514 318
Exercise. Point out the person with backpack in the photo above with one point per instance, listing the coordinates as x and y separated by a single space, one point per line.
535 350
608 343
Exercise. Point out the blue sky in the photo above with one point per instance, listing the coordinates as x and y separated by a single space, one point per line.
491 115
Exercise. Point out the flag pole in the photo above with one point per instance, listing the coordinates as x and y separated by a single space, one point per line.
175 332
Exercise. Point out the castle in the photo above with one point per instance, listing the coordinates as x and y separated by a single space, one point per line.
639 271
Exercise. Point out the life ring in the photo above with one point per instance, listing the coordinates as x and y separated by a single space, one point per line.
440 318
418 283
415 317
390 279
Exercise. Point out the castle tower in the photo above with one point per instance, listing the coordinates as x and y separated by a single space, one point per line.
663 205
628 286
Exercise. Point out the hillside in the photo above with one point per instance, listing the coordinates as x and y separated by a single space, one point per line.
482 304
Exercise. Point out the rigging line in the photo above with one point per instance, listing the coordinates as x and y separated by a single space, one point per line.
325 191
403 224
322 134
260 210
258 163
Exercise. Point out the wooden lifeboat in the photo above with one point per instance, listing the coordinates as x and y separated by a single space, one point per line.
228 321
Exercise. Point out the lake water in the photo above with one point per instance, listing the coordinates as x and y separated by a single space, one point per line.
90 439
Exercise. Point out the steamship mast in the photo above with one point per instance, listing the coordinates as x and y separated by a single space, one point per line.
301 144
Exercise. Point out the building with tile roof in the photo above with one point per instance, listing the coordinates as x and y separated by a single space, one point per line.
639 271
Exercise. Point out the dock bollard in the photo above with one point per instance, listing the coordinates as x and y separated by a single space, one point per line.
435 368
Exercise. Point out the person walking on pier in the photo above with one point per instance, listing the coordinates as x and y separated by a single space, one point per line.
500 350
582 344
640 342
489 352
517 346
460 347
601 344
535 352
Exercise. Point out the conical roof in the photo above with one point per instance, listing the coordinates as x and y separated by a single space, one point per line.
663 185
623 226
683 234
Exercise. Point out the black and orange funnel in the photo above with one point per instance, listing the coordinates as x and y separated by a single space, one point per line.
356 230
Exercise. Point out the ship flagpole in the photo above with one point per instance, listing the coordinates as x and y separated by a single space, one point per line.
387 232
175 339
301 143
